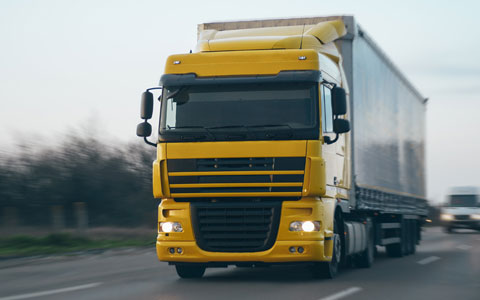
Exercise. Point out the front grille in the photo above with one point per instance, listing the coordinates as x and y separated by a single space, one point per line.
240 177
462 217
235 227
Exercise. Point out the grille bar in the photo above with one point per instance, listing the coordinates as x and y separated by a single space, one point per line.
214 195
234 213
235 173
252 184
235 227
236 177
240 236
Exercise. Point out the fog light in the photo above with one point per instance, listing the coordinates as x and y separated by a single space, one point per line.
291 249
171 250
179 250
300 250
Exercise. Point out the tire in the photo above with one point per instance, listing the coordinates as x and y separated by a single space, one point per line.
366 258
409 237
190 271
405 238
414 237
398 249
448 229
330 269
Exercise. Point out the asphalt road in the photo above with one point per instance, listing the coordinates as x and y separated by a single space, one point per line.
444 267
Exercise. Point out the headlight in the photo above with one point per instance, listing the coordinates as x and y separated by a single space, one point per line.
170 227
475 217
305 226
446 217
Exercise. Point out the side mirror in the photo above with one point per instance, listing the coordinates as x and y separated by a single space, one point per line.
144 129
146 111
341 126
339 101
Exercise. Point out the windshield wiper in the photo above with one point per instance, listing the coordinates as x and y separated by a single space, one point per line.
270 125
228 127
192 127
235 135
275 134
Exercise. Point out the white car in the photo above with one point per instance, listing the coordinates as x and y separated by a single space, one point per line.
462 210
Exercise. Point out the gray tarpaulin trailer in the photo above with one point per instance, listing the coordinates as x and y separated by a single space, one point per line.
387 114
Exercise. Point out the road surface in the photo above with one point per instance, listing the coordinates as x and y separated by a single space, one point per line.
446 266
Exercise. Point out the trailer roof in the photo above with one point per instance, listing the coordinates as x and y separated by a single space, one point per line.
353 30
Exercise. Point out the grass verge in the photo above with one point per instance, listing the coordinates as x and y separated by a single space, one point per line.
17 246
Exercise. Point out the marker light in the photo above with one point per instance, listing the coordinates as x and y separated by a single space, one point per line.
170 227
305 226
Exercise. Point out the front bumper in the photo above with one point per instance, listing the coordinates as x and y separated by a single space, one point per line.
317 246
191 253
473 224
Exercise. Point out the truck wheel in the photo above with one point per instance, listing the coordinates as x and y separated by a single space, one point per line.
408 237
190 271
405 238
366 258
330 269
448 229
413 233
398 249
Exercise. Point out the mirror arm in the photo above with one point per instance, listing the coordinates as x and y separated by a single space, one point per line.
328 141
332 84
154 88
149 143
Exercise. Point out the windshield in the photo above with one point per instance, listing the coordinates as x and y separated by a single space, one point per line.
463 201
240 112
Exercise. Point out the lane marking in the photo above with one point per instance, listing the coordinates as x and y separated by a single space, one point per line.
464 247
428 260
343 293
52 292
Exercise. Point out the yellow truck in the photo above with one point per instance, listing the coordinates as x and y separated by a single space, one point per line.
286 141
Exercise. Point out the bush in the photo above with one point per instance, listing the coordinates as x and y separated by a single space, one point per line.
112 179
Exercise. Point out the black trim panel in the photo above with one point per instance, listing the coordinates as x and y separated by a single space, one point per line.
236 227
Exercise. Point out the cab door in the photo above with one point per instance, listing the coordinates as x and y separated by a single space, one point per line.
334 153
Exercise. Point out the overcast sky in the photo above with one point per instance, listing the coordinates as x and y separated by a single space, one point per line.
66 64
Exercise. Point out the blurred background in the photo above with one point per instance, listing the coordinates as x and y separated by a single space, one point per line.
72 72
